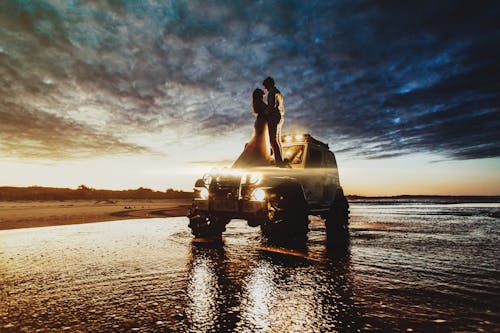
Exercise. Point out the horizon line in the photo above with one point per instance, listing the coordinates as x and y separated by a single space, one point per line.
181 190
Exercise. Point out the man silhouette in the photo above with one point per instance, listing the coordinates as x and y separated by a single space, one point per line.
275 111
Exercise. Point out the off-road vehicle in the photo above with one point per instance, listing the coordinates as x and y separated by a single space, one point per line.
279 200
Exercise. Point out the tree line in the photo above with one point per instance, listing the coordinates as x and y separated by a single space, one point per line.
84 192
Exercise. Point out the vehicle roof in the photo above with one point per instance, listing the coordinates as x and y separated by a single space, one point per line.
305 138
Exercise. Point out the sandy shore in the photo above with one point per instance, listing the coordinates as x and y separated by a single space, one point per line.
30 214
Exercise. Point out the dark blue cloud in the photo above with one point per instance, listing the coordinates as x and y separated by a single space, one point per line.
376 79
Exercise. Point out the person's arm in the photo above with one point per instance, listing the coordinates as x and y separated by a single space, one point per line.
271 99
279 103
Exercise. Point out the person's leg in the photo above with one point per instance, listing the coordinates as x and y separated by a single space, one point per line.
274 140
278 136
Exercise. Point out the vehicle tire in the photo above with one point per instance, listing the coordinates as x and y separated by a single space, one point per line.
337 221
207 227
287 213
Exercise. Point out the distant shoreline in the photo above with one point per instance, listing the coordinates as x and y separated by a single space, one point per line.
40 193
474 198
457 198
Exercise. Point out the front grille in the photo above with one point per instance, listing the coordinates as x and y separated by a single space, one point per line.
225 187
224 194
246 192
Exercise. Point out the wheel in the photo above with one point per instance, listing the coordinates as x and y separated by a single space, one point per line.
337 221
253 222
207 227
287 213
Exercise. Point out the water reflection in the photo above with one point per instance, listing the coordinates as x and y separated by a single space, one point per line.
203 291
275 289
259 298
211 289
338 249
434 269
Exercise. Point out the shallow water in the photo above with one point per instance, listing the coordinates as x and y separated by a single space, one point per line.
421 267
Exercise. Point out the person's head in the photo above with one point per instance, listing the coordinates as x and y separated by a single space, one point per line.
258 94
268 83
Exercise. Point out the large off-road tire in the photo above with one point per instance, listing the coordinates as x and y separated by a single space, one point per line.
287 217
207 227
337 221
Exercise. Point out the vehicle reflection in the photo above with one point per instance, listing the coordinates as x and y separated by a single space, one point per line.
273 289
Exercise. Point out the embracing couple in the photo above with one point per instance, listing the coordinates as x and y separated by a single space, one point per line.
267 129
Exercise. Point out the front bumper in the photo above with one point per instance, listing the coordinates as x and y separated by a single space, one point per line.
235 208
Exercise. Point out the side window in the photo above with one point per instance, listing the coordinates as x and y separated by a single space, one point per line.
293 154
330 160
315 158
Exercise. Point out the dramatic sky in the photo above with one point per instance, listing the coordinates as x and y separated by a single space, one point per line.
122 94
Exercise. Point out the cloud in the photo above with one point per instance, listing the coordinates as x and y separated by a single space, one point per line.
33 134
374 79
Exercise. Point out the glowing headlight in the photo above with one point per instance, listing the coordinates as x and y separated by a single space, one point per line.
299 137
259 194
204 194
207 179
254 178
288 138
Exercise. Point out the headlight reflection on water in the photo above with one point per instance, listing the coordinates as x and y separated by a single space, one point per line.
275 303
260 297
203 293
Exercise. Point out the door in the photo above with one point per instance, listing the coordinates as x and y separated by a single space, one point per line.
315 175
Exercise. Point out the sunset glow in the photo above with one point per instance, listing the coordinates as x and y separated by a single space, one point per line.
126 94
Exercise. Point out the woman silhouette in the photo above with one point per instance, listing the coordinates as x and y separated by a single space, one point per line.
256 152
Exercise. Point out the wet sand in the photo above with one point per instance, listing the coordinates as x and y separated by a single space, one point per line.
32 214
420 268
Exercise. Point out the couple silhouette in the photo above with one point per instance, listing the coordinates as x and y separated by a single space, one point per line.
267 129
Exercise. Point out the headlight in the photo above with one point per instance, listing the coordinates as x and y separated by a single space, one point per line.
207 179
259 194
254 178
204 194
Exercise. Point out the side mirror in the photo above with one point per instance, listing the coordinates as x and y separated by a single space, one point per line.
199 183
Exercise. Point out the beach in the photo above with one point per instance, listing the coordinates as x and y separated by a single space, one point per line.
416 266
32 214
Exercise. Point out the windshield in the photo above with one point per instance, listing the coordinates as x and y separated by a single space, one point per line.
293 154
